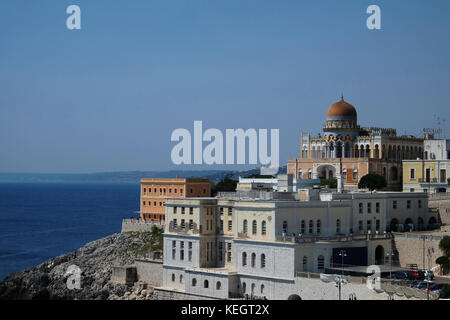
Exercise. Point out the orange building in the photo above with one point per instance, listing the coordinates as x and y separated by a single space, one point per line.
155 191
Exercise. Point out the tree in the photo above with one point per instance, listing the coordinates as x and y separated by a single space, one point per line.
156 241
331 182
225 185
372 181
444 263
444 245
260 176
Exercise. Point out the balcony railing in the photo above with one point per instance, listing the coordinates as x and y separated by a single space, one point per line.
429 180
186 229
343 238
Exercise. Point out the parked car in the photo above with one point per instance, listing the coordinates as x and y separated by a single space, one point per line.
399 276
412 283
435 287
412 275
423 284
429 274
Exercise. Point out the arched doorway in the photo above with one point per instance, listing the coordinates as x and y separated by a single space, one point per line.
409 224
432 222
379 255
393 225
326 172
394 174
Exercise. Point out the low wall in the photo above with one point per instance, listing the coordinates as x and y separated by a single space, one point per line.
139 225
124 274
149 271
169 294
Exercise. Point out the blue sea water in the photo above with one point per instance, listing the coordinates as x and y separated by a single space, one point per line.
39 221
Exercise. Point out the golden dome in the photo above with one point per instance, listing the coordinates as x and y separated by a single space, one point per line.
341 109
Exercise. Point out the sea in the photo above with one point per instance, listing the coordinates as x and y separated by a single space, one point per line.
39 221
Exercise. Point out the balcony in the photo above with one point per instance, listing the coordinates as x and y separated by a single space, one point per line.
429 180
184 230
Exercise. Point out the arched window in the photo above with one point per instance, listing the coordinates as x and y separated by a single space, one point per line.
194 282
181 278
305 263
311 226
218 285
254 227
244 287
253 259
253 288
262 288
320 263
206 284
318 226
245 226
263 260
302 227
338 226
244 258
263 227
285 226
173 277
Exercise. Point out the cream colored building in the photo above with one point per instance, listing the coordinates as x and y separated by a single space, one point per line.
230 246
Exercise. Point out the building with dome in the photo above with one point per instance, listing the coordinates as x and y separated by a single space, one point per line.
347 151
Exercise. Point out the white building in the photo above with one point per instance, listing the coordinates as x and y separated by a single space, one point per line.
230 246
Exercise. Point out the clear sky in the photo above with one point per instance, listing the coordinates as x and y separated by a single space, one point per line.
107 97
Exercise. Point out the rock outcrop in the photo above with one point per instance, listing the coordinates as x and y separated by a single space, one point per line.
95 260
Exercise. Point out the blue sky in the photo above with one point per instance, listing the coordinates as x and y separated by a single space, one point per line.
107 97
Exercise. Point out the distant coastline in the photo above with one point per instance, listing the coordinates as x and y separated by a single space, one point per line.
122 176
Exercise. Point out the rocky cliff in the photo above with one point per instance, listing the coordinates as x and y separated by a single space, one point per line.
95 260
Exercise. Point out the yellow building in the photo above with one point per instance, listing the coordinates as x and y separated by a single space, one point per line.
426 175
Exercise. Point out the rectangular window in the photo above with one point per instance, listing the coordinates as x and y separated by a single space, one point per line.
229 252
443 176
412 174
360 207
191 210
174 223
182 210
221 211
355 175
360 225
394 204
378 225
369 225
408 204
181 250
182 223
230 211
369 207
419 204
220 250
377 207
191 224
230 225
221 225
174 210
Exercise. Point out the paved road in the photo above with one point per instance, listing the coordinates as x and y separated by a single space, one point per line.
438 279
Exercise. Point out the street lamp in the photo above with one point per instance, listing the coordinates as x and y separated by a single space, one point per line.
390 256
342 254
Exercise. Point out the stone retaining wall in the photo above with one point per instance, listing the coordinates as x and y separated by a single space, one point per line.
138 225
